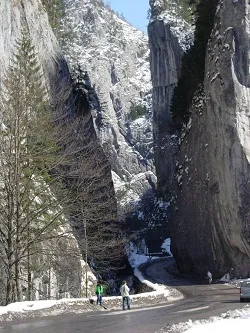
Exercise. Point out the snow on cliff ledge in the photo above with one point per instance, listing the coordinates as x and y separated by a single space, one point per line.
116 57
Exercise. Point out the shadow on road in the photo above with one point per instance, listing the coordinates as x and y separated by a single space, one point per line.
168 274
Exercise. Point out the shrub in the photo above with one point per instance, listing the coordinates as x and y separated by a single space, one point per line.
137 111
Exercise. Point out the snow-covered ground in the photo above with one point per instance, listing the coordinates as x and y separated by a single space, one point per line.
229 322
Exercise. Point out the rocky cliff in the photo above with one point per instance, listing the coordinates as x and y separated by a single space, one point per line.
211 218
115 57
169 36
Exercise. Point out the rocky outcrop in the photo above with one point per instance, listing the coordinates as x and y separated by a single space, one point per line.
169 36
31 15
211 218
165 60
115 57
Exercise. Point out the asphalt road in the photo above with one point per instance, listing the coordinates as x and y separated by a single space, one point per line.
201 301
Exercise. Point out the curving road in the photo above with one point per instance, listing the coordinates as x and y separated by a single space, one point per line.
201 301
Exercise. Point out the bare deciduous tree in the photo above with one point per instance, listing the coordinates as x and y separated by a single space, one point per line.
90 201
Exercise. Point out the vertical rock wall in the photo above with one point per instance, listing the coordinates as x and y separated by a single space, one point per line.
165 61
211 218
15 16
115 56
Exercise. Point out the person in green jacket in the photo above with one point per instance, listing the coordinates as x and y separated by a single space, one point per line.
99 292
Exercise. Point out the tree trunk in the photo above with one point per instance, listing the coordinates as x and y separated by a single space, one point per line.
18 294
86 258
29 272
9 286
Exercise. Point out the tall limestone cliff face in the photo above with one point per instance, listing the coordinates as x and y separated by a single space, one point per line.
115 56
169 36
165 59
211 218
17 15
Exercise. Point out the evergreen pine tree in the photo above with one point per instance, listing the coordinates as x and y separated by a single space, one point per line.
28 209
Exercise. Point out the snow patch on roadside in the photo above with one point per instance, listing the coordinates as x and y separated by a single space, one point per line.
135 258
229 322
158 288
38 305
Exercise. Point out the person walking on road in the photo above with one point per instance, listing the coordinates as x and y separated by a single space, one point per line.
99 292
210 277
125 295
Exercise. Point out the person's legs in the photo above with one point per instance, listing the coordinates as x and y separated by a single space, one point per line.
128 302
123 303
99 299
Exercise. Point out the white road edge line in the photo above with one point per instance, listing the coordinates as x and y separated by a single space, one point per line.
132 310
194 309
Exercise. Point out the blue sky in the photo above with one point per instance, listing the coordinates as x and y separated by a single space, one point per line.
135 11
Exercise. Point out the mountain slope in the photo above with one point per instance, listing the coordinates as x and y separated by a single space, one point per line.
115 56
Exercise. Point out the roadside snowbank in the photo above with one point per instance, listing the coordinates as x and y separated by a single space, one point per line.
158 288
159 295
229 326
37 305
230 322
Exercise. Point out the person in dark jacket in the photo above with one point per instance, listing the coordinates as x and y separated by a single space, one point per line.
99 292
